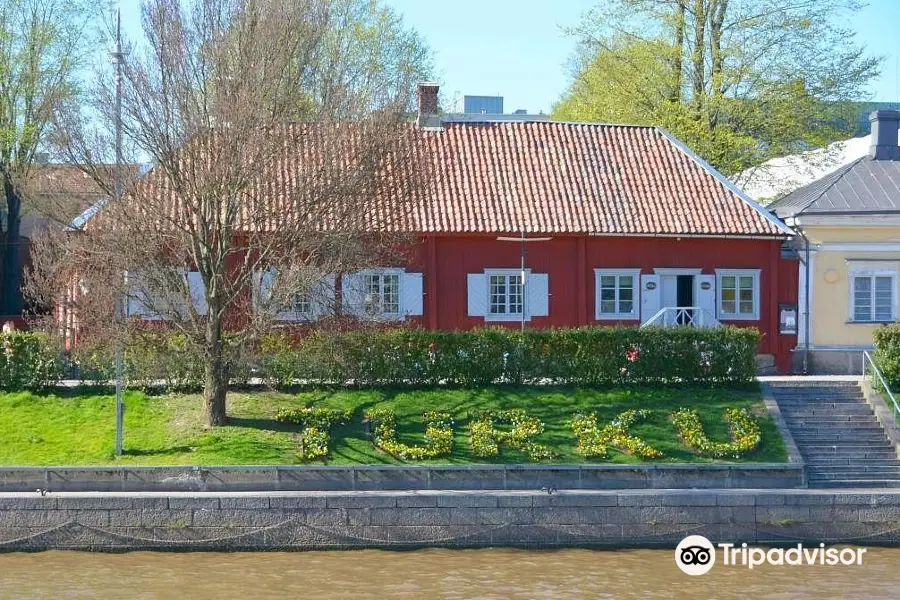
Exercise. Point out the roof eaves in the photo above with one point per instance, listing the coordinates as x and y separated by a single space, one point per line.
768 216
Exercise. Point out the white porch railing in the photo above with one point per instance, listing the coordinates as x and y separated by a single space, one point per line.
676 316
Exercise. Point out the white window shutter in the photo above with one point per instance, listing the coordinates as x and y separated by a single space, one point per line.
706 299
411 294
198 292
537 286
352 293
649 297
478 294
263 283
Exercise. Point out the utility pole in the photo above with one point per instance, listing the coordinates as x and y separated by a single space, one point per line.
118 59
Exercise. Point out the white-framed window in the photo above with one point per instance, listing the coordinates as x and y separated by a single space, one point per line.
505 294
617 293
387 293
310 305
381 293
738 294
873 295
501 295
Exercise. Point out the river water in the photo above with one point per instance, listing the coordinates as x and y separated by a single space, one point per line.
493 573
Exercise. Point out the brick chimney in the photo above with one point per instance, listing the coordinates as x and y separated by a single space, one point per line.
428 105
885 124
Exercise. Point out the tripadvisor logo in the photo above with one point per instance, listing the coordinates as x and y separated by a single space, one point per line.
696 555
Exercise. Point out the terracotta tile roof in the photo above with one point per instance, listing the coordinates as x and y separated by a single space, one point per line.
540 177
580 178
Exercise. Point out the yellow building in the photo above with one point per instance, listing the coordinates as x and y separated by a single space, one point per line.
849 245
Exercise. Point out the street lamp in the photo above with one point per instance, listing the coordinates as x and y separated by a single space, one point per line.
117 57
524 274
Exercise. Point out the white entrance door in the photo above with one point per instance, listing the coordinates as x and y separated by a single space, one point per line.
669 285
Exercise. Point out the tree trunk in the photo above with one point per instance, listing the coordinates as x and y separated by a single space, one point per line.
678 45
11 285
698 57
215 386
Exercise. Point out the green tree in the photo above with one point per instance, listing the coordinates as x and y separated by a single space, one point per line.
42 45
739 82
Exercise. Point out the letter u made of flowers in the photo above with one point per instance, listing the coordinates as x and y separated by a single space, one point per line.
438 435
745 433
594 441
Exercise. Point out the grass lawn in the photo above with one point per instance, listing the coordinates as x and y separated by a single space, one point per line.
78 429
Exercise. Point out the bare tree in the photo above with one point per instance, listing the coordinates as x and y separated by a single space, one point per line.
259 194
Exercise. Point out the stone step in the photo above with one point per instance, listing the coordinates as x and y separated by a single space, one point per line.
854 411
848 393
846 472
850 461
813 439
814 383
864 447
838 430
817 403
853 483
842 419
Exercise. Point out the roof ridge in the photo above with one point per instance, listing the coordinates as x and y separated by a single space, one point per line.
549 122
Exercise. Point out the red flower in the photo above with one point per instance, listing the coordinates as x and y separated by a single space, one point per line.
632 354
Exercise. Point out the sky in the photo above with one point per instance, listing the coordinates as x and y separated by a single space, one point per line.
518 48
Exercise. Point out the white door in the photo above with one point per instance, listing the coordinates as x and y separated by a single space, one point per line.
669 285
649 297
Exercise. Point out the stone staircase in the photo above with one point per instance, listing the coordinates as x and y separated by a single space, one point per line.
837 434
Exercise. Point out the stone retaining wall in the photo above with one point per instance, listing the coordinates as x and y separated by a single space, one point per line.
339 520
412 477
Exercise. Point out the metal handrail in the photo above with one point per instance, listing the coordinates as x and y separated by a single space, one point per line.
683 315
895 407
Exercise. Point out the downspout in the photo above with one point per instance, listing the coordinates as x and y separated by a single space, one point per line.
806 307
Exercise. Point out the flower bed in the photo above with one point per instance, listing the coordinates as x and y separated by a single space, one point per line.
316 422
487 439
745 433
438 435
593 441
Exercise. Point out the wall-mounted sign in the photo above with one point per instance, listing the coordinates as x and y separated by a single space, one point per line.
705 285
787 319
651 285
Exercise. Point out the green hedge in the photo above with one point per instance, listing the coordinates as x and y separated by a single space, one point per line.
590 356
28 361
887 354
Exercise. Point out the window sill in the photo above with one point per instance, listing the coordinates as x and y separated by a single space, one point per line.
738 317
850 322
506 318
616 317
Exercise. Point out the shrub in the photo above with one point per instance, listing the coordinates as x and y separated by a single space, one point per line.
593 440
316 423
486 439
28 361
438 435
887 354
745 433
589 356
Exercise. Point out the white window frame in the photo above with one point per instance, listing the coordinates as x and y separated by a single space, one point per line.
737 274
635 275
382 273
516 317
871 272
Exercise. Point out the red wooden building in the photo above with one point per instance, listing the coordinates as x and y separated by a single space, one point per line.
551 224
621 224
